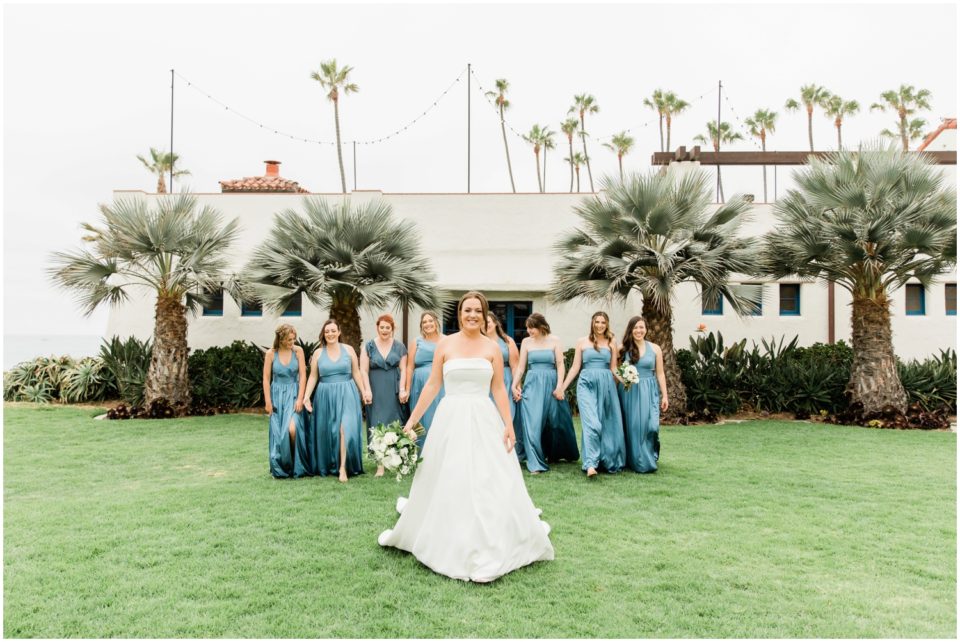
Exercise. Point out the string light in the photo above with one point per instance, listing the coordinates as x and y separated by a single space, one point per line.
743 126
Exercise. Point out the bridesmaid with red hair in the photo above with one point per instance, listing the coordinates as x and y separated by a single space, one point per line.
383 366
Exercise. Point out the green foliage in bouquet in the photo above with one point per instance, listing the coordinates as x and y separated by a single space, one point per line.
391 448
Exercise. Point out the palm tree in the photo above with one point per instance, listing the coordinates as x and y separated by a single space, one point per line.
762 122
336 80
343 258
569 127
656 103
905 101
536 138
649 234
869 221
160 164
548 143
584 104
724 135
672 106
811 96
174 251
621 144
837 108
502 103
576 162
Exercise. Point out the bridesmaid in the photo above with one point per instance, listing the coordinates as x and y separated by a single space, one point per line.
384 372
645 400
602 441
548 433
419 364
511 357
283 395
336 416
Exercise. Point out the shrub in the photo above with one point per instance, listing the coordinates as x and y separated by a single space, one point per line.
127 363
932 383
571 393
230 376
87 380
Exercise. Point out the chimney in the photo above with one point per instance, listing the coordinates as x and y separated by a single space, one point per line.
273 168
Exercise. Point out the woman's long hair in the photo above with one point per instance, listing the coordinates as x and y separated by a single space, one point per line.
607 334
281 333
629 346
499 327
436 321
484 308
323 329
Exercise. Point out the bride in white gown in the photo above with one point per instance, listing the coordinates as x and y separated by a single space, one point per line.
469 516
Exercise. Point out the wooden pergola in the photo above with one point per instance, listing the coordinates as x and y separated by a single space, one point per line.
762 158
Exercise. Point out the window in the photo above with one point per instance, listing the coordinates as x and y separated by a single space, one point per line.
758 309
714 307
916 300
251 309
512 314
295 309
789 299
215 307
950 293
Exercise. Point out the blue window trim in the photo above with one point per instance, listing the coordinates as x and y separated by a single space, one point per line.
250 312
213 313
953 312
712 312
796 298
923 300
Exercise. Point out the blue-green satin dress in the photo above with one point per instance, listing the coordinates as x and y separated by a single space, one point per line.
600 419
385 384
508 382
284 388
422 364
641 415
336 402
548 434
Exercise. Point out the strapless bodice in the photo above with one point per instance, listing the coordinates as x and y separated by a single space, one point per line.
467 376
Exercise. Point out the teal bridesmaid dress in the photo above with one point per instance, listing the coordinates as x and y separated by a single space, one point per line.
336 403
385 385
602 439
548 434
508 382
641 415
284 388
422 364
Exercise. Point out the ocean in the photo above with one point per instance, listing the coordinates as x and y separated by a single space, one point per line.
24 347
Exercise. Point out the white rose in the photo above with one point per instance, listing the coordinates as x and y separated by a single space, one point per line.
392 460
390 438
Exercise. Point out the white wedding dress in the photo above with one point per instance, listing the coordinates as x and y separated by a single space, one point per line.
469 516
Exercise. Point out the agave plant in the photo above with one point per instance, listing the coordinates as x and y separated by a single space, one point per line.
87 380
40 392
126 364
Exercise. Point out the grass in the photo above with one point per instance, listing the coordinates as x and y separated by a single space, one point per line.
761 529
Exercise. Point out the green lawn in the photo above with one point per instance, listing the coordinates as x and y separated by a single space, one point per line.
762 529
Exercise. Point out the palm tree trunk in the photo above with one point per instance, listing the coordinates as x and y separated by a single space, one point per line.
167 376
874 381
570 140
578 180
661 133
620 161
838 123
903 133
660 331
336 119
343 309
669 120
810 126
161 185
539 180
544 170
763 147
586 156
503 128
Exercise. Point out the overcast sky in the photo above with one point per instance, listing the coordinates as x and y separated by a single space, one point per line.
87 87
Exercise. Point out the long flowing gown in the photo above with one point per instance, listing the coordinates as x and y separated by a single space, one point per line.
422 364
508 382
284 388
385 384
336 403
548 433
469 516
600 419
641 415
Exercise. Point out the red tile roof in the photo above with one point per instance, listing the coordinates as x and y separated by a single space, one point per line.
262 184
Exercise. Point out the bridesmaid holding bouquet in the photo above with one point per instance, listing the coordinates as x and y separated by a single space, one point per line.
419 364
643 401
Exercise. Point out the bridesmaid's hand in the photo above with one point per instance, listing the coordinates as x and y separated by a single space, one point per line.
308 405
268 407
558 393
297 407
367 398
663 404
517 393
509 438
410 432
404 396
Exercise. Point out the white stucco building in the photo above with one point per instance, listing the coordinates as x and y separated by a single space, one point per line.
501 244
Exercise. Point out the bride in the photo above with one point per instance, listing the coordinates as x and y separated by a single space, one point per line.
469 516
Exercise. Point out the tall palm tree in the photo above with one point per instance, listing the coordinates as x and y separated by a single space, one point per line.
569 127
584 104
837 108
336 80
656 103
868 221
905 101
548 144
621 145
649 234
762 122
500 96
344 258
576 162
173 250
160 164
715 137
810 96
672 106
536 138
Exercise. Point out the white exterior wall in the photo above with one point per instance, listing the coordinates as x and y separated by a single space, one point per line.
501 244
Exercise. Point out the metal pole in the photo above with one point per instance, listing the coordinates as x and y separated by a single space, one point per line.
468 127
774 183
171 131
719 91
354 166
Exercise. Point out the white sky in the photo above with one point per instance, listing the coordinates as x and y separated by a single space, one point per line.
87 87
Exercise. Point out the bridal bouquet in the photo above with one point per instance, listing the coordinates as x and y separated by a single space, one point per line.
628 374
393 449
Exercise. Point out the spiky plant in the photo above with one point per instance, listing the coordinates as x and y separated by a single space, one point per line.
810 96
648 234
160 163
869 221
905 101
336 80
344 258
168 246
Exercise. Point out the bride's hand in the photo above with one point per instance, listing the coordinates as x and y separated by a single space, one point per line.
410 432
509 438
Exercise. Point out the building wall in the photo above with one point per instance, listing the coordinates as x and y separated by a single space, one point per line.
501 244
